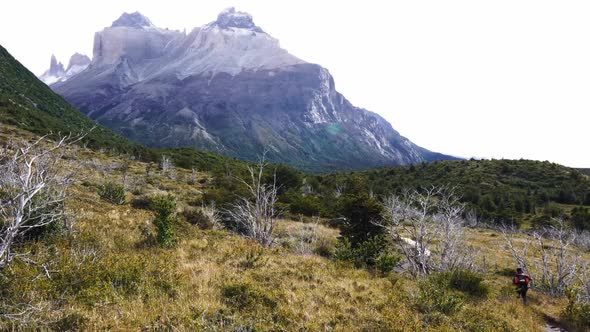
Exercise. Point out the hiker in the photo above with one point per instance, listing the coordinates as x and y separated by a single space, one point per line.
523 282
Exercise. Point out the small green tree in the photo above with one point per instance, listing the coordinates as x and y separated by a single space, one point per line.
361 241
165 207
362 212
112 192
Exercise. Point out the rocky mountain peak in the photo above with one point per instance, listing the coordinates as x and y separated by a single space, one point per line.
230 18
78 60
57 73
133 20
229 87
55 68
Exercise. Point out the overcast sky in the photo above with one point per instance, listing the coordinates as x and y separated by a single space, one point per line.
488 79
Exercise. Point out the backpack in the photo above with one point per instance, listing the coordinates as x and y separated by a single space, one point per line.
523 281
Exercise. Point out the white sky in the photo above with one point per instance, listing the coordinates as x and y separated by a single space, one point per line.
490 79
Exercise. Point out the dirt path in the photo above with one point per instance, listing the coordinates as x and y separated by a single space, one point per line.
553 326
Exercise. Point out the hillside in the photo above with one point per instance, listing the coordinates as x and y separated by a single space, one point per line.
105 274
501 190
28 103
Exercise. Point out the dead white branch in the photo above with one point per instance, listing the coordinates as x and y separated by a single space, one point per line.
257 214
32 189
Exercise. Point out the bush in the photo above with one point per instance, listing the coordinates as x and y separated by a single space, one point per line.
581 218
72 322
365 254
112 192
306 205
576 315
324 247
360 212
165 208
197 217
467 282
141 202
434 296
254 258
386 262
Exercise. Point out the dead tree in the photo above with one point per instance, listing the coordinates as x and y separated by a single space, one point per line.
257 214
556 268
518 253
428 228
558 265
32 190
451 230
213 215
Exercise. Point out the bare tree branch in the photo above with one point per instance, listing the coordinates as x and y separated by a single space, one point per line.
429 218
32 189
257 214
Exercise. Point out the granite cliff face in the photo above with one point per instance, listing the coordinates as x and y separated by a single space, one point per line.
230 88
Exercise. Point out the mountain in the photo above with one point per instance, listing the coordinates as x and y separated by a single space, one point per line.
57 73
54 73
27 103
230 88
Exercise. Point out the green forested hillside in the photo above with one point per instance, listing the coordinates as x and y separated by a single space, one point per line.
501 190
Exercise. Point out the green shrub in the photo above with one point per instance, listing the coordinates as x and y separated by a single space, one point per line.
365 254
576 315
254 258
467 282
434 296
306 205
386 262
112 192
165 208
55 227
72 322
361 212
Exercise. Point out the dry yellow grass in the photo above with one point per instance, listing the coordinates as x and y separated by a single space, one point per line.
103 276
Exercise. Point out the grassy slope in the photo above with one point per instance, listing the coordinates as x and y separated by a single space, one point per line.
103 277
